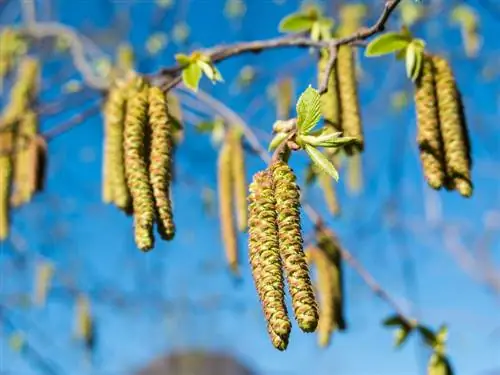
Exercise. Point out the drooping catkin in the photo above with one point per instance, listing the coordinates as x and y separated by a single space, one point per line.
226 198
290 243
329 193
265 259
5 181
117 190
330 102
43 278
239 178
136 168
429 139
350 112
26 160
160 166
453 128
84 321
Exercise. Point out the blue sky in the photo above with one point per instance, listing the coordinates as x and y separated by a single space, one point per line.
181 296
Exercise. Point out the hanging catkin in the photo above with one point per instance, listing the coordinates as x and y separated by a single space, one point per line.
265 260
225 190
160 166
239 178
330 102
429 139
349 102
453 128
290 244
5 181
329 193
136 168
116 190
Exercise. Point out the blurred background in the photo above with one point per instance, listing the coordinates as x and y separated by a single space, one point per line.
178 309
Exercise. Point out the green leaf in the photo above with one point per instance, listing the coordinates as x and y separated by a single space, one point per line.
183 59
308 110
387 43
439 365
191 76
410 60
419 55
205 126
316 31
427 335
322 162
326 140
442 334
401 335
210 71
394 320
295 23
277 140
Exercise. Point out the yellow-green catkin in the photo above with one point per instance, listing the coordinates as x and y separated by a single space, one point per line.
291 246
350 111
26 161
160 166
430 142
284 98
5 181
115 182
329 193
239 178
265 259
354 174
330 102
226 199
136 168
453 129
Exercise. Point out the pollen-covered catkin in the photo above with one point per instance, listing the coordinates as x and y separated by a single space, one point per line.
453 128
350 112
136 168
239 179
115 113
225 190
160 166
330 102
290 243
429 139
265 260
5 182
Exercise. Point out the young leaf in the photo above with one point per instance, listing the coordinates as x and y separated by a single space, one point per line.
419 56
210 71
182 59
191 76
411 60
428 336
394 320
295 23
401 335
387 43
322 162
277 140
308 110
327 140
205 126
316 31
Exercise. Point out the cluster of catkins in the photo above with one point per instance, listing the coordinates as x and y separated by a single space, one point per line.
275 242
232 190
23 150
442 133
326 257
138 157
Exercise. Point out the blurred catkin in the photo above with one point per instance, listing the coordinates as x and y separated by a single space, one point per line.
429 139
329 193
265 260
239 178
350 112
44 273
5 181
225 190
330 102
453 128
136 168
160 166
290 243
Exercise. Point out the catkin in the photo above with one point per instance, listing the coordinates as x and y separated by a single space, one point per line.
136 168
349 102
160 166
453 128
225 190
116 190
265 260
5 181
330 101
329 193
290 244
239 179
429 137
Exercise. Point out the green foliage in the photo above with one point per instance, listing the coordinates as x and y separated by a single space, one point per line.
308 110
308 19
389 42
322 162
195 66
